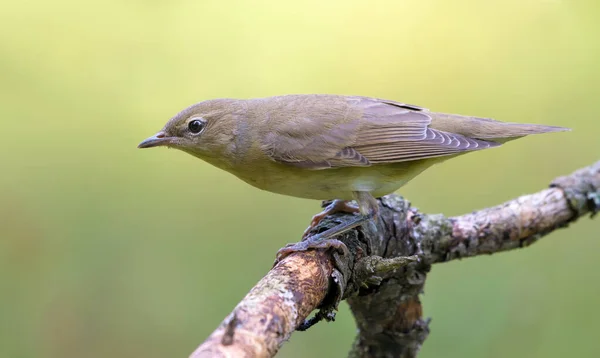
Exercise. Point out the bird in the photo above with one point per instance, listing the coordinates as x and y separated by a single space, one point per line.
329 147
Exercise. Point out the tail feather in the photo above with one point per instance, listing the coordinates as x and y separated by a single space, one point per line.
518 130
488 129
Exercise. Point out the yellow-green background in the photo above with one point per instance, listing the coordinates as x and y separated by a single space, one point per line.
110 251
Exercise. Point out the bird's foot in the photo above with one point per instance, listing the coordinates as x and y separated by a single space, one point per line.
336 206
310 244
324 240
368 209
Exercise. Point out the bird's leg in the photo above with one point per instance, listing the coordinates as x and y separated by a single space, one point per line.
367 204
336 206
368 208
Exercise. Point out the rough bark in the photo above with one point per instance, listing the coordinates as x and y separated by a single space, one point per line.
273 309
382 273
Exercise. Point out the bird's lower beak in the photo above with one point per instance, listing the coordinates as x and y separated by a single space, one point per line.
156 140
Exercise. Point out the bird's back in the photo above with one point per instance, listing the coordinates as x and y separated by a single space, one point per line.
314 111
328 131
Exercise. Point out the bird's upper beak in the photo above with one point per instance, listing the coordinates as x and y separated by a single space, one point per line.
156 140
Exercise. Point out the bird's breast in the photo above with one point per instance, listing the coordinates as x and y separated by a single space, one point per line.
334 183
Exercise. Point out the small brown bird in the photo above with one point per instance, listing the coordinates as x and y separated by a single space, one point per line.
329 146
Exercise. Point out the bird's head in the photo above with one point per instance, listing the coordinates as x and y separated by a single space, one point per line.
205 130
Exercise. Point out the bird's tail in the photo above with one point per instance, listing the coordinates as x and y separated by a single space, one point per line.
510 131
489 129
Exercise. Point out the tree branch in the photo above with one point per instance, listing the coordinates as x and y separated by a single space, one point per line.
273 309
383 271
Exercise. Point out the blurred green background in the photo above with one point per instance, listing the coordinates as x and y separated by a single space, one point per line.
106 250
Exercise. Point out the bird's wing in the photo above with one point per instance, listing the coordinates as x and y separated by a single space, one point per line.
382 132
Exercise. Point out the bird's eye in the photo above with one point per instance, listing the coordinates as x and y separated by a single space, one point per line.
196 126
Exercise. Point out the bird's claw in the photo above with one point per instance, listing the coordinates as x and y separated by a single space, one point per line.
336 206
310 244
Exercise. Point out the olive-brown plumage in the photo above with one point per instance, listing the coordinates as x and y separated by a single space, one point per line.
329 146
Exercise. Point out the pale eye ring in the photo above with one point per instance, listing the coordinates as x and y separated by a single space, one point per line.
196 126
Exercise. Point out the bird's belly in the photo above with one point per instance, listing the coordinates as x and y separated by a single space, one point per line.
337 183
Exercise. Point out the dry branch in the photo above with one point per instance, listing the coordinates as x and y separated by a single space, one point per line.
383 272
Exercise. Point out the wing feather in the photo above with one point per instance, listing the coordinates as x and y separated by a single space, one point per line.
372 132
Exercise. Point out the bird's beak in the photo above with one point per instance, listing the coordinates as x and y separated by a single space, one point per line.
156 140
